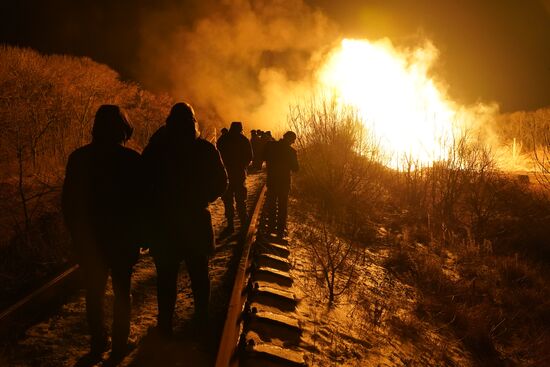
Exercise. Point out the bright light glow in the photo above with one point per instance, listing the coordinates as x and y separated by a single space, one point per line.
394 95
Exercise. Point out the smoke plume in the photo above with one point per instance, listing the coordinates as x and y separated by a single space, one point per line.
244 60
249 60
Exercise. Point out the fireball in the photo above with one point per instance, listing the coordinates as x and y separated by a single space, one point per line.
395 96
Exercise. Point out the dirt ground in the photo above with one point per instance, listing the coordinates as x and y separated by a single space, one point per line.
62 339
373 323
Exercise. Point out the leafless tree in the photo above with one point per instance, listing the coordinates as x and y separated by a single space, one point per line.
333 260
339 157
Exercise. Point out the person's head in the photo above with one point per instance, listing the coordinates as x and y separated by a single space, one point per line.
236 127
182 120
224 130
111 126
289 137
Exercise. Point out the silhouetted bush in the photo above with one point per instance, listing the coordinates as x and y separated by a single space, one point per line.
340 160
470 238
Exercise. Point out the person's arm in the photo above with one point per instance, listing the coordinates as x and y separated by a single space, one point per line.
139 201
266 156
220 146
135 181
217 182
150 159
150 149
294 167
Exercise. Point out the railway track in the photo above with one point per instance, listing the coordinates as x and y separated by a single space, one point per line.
254 328
260 328
16 318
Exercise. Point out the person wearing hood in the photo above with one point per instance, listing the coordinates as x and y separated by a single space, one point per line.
100 199
281 160
236 154
184 174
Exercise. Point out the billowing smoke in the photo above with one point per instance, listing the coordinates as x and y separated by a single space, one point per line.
245 60
249 60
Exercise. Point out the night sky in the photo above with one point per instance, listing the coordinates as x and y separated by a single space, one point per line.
489 50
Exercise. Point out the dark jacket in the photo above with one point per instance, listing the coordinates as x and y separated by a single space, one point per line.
236 153
100 201
281 159
184 174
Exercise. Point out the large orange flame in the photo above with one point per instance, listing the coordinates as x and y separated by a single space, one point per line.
395 96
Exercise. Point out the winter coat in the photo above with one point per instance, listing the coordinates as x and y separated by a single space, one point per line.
281 159
183 175
100 201
236 154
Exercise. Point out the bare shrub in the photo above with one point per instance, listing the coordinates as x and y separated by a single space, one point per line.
340 170
454 197
339 158
333 260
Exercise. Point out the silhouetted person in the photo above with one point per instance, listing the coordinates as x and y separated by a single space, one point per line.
257 149
281 160
236 154
223 131
185 173
266 136
100 199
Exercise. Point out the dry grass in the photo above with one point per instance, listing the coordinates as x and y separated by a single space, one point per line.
471 240
333 260
33 255
495 305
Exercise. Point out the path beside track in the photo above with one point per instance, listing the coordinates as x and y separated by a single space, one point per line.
62 339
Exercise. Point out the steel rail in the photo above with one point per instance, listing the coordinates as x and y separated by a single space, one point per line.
16 318
232 327
21 314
